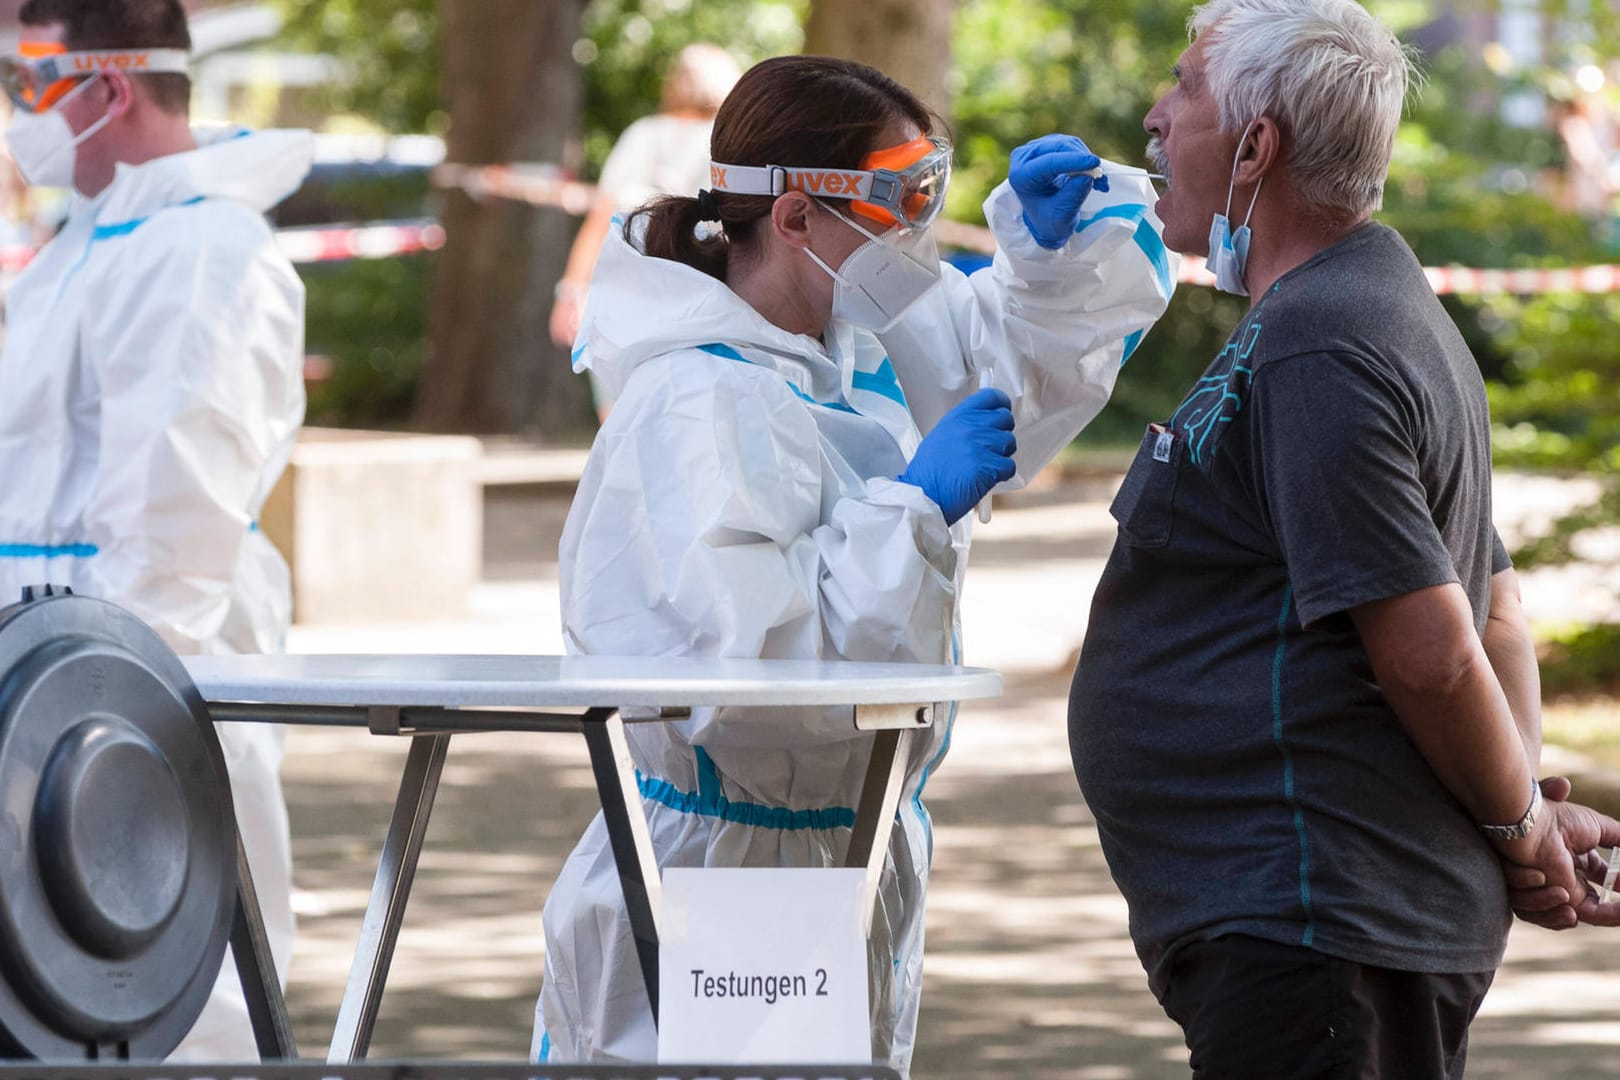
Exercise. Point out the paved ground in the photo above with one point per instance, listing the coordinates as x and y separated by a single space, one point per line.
1029 970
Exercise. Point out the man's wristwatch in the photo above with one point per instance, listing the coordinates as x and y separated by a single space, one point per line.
1521 828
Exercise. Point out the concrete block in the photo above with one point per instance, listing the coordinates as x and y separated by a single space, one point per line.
379 526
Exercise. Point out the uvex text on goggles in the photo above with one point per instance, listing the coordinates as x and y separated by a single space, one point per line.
35 83
903 184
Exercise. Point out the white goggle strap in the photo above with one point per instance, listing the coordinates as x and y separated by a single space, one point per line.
75 65
881 187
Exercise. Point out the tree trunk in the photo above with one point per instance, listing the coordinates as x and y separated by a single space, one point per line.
908 40
514 93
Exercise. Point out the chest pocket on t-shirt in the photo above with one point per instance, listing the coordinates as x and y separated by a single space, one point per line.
1145 505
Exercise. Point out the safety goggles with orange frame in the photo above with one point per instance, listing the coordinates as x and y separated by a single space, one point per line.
902 185
44 73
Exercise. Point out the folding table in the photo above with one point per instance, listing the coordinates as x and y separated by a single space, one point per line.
432 698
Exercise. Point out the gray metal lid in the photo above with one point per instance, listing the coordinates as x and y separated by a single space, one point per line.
117 841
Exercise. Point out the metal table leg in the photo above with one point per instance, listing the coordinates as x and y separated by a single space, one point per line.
627 831
874 814
256 967
385 911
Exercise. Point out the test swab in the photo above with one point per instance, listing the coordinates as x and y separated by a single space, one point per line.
987 379
1118 170
1613 871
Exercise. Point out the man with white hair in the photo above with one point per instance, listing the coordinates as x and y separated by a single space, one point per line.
1306 716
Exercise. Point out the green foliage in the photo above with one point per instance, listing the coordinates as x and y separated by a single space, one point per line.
369 318
391 51
1582 659
1556 407
357 192
1462 182
1027 67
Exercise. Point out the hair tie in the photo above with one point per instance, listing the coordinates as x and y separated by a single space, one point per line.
708 205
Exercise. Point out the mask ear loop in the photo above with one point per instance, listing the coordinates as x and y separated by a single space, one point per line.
829 271
851 222
94 129
817 259
1231 184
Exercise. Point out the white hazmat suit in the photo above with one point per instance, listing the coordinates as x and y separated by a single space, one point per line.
151 387
740 501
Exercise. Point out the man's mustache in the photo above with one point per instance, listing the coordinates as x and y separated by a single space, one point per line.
1158 158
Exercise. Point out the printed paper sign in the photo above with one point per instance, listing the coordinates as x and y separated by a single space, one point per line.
762 967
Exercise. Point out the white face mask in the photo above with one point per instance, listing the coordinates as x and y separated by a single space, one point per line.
883 278
1229 251
43 144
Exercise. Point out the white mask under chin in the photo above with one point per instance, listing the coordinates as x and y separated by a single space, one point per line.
883 278
44 146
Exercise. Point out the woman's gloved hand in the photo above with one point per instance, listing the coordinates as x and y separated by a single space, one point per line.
969 452
1043 175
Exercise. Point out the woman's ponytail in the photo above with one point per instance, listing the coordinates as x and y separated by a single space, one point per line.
672 223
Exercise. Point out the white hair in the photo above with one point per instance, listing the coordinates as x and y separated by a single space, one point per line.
1333 77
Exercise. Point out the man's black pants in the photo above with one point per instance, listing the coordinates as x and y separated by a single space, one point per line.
1256 1010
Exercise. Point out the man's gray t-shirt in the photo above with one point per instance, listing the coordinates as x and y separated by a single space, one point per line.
1246 774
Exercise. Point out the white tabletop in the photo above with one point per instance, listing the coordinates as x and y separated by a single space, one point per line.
577 681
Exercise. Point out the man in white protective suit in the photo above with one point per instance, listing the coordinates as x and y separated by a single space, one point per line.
151 382
799 438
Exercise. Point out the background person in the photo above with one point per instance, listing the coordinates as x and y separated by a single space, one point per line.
1592 162
798 439
151 387
1306 715
663 154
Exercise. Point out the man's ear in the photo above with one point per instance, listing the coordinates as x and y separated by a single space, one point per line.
121 93
1260 152
790 217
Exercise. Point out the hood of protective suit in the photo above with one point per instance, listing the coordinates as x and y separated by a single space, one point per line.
257 169
642 307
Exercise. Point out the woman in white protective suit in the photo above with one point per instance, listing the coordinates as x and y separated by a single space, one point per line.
798 439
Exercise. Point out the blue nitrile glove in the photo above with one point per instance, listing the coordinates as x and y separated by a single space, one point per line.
1051 199
969 452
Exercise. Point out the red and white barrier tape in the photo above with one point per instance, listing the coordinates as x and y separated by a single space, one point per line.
1579 279
544 185
381 241
384 240
537 185
1443 279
